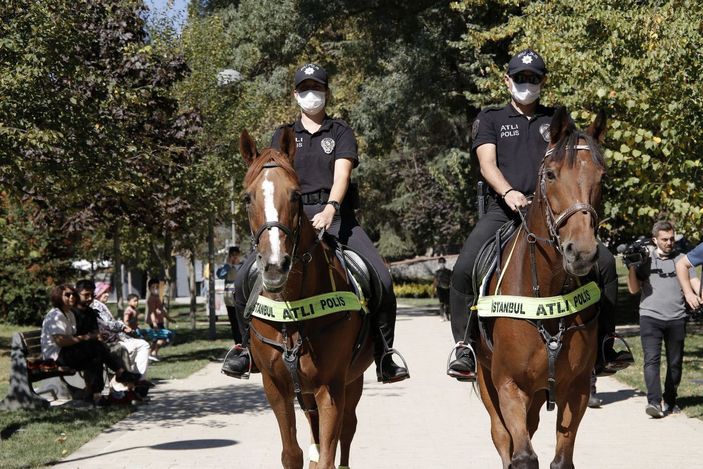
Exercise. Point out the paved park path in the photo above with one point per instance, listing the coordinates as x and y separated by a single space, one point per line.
430 421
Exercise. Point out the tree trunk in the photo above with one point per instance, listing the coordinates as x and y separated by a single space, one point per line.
212 318
167 263
117 267
192 288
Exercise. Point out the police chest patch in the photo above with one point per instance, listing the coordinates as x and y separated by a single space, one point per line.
544 130
327 145
474 129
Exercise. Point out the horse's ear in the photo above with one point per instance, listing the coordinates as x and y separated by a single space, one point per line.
561 125
247 147
287 143
599 127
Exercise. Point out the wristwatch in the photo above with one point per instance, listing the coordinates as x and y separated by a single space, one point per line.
335 204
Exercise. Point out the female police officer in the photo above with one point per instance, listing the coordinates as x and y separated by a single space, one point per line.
326 153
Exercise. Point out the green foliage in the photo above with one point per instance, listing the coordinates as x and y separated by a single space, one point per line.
637 60
32 257
413 290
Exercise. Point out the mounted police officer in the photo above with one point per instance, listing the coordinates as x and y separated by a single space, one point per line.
326 153
510 143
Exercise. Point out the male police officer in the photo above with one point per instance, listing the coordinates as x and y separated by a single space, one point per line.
510 143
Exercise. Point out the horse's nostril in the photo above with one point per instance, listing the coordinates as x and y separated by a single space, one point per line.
285 265
568 247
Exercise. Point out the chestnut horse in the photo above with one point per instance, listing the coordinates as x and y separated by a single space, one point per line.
554 249
315 360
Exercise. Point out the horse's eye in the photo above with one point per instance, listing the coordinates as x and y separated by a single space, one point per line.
295 196
246 199
551 175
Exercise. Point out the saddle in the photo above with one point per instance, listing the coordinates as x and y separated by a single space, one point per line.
486 265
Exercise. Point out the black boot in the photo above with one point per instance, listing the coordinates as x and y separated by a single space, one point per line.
463 366
387 371
237 362
611 361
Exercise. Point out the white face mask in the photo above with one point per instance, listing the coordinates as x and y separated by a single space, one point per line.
311 101
524 93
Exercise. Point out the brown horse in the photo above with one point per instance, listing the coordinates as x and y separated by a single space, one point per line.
313 359
553 251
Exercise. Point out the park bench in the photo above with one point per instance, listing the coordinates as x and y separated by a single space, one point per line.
27 367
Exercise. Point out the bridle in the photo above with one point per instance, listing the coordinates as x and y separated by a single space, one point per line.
554 223
290 233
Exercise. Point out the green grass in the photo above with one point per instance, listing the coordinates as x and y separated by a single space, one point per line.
55 433
40 438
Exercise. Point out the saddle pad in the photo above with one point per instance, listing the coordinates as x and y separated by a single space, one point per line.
307 308
526 307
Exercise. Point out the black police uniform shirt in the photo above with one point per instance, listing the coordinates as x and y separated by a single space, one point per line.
315 154
520 142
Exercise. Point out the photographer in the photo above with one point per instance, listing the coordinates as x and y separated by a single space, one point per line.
684 265
662 316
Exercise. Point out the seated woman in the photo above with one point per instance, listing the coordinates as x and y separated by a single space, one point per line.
62 343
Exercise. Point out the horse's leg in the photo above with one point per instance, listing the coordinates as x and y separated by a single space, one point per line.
353 395
291 455
499 434
571 411
538 401
330 404
514 403
314 421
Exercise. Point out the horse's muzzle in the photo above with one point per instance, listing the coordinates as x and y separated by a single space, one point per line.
579 260
275 274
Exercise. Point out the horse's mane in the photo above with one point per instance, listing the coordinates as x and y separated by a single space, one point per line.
269 155
564 149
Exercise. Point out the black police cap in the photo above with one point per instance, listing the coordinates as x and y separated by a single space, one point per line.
310 72
527 60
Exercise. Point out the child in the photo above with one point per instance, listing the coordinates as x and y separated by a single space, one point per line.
131 315
156 315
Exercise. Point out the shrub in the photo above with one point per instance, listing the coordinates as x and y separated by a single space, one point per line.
413 290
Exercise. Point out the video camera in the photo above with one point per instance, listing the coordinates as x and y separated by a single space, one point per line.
636 253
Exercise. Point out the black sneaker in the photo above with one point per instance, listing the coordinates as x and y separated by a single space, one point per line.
594 402
654 411
388 372
463 367
237 363
128 377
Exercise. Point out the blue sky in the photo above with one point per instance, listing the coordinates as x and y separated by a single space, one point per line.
160 7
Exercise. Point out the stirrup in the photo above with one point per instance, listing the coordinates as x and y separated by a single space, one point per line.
462 376
609 368
387 352
243 351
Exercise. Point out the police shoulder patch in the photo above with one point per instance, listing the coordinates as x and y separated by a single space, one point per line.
544 131
474 128
327 145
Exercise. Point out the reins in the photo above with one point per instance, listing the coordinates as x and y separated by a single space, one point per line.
553 342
